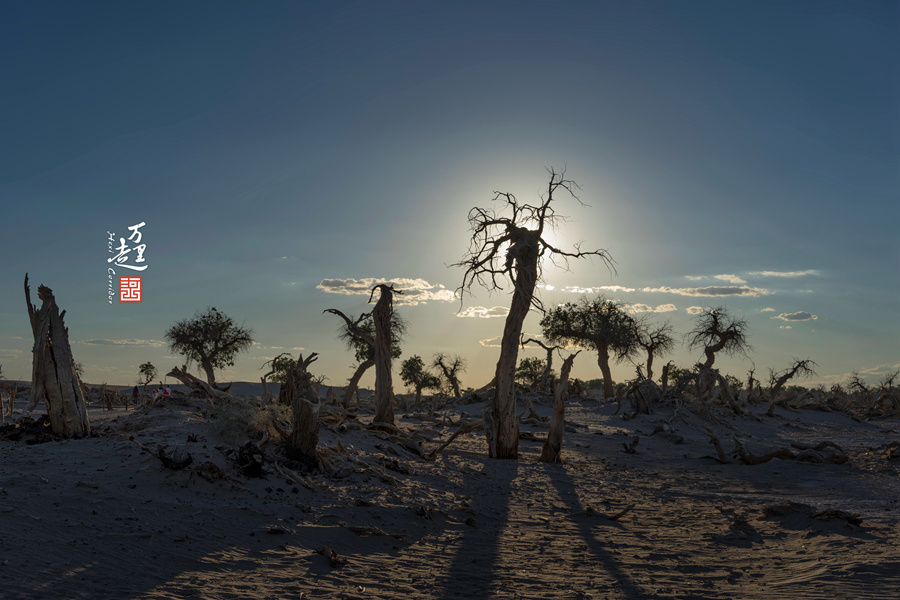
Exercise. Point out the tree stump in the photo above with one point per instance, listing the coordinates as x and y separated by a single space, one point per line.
299 391
53 369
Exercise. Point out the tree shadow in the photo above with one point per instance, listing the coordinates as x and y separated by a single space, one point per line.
568 493
474 567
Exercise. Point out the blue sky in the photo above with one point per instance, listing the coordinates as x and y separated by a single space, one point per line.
286 155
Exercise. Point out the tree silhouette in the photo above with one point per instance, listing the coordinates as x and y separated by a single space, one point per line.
387 331
717 331
530 371
655 339
357 334
507 245
803 368
546 377
600 324
146 373
414 373
449 367
210 339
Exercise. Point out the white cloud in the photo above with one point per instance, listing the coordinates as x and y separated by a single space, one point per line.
785 327
414 291
797 316
711 291
731 279
767 309
484 313
644 308
101 342
785 273
694 310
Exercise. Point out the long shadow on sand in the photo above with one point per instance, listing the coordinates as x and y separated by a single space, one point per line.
474 568
568 493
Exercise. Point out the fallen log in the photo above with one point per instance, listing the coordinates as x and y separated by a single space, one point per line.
194 383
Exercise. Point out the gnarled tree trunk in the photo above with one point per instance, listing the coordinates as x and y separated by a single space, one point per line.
53 369
500 427
552 449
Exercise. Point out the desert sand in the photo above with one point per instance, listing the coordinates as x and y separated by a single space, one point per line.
102 517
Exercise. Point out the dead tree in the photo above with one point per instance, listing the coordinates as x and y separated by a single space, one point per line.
545 384
665 376
716 331
510 248
750 382
299 390
804 368
53 369
552 450
450 367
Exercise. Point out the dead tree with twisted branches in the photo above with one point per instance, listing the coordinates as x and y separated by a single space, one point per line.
507 246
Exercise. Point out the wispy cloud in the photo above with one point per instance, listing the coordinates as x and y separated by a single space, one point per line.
644 308
797 316
577 289
493 342
767 309
483 312
785 273
101 342
415 291
710 291
694 310
785 327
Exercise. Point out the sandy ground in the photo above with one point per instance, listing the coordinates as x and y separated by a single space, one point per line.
102 518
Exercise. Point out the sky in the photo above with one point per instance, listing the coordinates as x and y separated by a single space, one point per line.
285 157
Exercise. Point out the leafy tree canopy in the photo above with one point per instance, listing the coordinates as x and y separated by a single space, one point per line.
210 339
147 373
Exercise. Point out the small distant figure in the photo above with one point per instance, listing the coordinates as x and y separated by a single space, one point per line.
135 394
167 392
155 394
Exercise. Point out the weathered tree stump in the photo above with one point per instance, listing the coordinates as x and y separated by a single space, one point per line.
53 369
299 391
